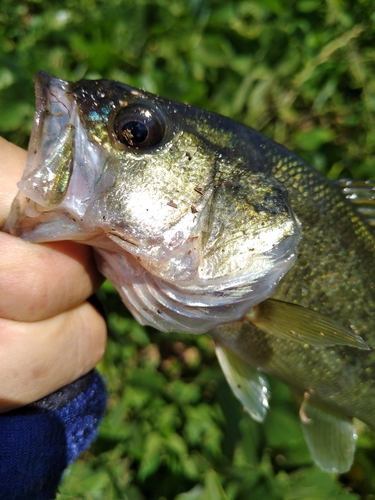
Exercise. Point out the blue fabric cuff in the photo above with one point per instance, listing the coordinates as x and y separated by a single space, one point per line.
39 441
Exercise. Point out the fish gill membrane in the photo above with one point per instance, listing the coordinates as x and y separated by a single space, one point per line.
204 225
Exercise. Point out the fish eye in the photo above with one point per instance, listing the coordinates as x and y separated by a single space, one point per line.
139 127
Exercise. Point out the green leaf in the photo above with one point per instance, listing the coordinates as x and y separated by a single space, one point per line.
312 483
313 139
213 487
152 455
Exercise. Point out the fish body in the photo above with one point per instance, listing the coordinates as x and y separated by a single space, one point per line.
205 225
333 274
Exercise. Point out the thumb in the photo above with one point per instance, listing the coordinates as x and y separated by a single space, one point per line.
12 163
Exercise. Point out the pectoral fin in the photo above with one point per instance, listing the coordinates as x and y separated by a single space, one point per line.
302 324
330 437
248 385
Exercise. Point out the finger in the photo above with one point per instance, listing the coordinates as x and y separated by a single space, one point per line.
49 278
40 281
38 358
12 163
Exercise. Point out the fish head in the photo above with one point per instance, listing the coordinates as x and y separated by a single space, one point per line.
192 231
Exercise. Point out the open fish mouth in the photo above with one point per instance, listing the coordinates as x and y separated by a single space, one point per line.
50 156
61 169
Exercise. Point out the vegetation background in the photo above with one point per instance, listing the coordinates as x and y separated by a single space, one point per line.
302 73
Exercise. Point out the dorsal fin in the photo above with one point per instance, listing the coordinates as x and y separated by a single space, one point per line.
362 196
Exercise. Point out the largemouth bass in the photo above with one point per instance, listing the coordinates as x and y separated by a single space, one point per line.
204 225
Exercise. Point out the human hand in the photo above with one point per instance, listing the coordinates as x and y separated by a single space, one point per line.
49 334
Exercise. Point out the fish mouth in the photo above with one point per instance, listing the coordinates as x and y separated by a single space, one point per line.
61 172
50 154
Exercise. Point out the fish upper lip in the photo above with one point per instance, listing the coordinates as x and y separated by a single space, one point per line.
41 84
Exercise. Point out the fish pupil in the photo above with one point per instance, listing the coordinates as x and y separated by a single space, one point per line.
135 133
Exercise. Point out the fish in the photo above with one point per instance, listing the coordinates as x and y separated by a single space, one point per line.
204 225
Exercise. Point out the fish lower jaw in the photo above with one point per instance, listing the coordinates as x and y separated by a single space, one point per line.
175 307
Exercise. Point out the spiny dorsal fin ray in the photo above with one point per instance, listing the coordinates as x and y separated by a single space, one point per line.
301 324
362 195
330 437
248 385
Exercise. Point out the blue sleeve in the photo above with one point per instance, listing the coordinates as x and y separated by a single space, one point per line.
38 441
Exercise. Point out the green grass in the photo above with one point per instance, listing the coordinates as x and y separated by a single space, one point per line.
301 72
